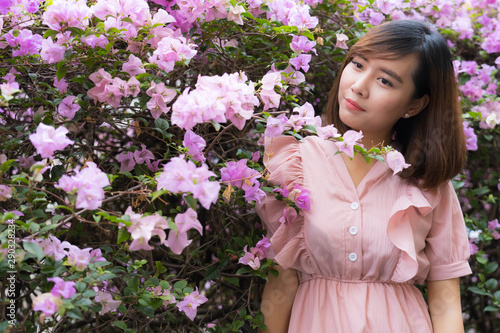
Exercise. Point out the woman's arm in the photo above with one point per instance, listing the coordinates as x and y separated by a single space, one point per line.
444 306
277 300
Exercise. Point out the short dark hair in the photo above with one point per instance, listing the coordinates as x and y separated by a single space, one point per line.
433 141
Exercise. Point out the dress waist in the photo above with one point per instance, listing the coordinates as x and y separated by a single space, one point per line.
306 278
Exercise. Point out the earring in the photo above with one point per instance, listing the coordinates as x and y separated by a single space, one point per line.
407 115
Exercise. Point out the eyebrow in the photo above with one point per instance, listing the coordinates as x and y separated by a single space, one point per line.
385 70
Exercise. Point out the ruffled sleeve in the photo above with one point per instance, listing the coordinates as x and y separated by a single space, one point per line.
404 234
284 164
429 229
447 242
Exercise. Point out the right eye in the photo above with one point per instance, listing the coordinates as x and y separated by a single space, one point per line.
357 64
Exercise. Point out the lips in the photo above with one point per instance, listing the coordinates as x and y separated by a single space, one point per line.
350 104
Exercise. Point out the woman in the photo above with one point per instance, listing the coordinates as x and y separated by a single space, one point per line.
350 263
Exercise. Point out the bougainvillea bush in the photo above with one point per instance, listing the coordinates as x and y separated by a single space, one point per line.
131 152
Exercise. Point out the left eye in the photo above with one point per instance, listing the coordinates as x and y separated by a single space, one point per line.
385 82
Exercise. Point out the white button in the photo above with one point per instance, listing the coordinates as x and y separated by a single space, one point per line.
353 230
355 205
353 256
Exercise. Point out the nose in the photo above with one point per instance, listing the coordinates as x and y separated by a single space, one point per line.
359 85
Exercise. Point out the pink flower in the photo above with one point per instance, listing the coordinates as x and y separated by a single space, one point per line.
178 240
47 140
250 259
301 44
62 288
5 193
351 139
493 225
275 126
301 62
143 155
133 66
235 14
473 247
341 41
470 136
93 41
300 197
61 85
68 108
126 160
79 258
195 145
47 303
52 52
190 303
327 132
396 161
107 301
289 215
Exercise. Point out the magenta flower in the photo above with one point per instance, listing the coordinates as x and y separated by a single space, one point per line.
68 108
47 140
396 161
79 258
301 62
351 139
300 197
126 160
62 288
473 247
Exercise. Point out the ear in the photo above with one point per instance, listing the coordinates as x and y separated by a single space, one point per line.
417 105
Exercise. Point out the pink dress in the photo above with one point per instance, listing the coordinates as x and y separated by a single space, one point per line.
359 251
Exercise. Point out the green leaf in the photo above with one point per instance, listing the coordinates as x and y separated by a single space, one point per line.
162 126
490 308
6 165
212 273
180 285
479 291
120 324
34 249
133 283
158 193
191 202
234 281
50 33
490 267
491 284
61 72
123 235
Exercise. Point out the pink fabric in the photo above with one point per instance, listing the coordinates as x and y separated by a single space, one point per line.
400 235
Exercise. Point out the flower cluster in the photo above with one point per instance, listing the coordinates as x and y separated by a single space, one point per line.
191 302
181 176
216 98
303 115
48 139
88 183
238 174
253 257
142 228
130 159
50 303
111 90
297 198
75 257
160 96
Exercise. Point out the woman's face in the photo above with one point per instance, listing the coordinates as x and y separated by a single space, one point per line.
375 93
